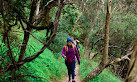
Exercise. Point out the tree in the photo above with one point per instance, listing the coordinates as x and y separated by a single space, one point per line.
132 71
104 61
17 14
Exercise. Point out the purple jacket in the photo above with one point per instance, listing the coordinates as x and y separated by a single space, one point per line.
70 54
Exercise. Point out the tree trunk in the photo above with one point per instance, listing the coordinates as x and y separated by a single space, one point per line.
103 63
106 38
132 71
94 73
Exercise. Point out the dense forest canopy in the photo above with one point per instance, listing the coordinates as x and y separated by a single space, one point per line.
33 33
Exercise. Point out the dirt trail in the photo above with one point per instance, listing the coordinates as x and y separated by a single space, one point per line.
77 77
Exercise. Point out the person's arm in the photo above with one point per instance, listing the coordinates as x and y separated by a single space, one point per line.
63 52
78 46
77 55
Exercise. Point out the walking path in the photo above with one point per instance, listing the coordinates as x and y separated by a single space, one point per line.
77 77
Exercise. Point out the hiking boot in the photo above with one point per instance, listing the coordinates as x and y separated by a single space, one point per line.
69 81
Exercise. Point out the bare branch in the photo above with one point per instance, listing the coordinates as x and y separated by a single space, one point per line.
126 57
35 27
96 42
109 47
10 52
48 3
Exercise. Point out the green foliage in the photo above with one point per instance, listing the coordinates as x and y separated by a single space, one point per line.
87 66
49 64
66 25
68 19
58 43
123 32
46 65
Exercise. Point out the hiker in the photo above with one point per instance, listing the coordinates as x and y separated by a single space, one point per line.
76 43
69 52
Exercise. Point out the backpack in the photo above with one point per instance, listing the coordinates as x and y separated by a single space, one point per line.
76 44
66 48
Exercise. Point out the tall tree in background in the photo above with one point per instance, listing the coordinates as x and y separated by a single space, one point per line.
104 63
101 66
93 23
106 38
92 15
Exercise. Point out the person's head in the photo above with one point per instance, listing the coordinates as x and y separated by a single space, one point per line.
69 41
72 38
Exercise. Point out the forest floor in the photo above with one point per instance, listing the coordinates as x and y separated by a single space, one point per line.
77 77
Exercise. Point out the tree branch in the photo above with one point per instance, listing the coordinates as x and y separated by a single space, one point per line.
96 42
10 52
97 53
102 66
26 34
28 59
109 47
35 27
34 36
126 57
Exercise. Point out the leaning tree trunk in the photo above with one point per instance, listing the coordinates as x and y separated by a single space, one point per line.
132 71
103 64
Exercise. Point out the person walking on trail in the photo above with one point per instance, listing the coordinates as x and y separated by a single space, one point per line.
76 43
69 52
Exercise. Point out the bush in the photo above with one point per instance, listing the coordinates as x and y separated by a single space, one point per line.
44 66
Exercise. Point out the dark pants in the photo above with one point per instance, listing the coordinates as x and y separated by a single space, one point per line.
71 68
